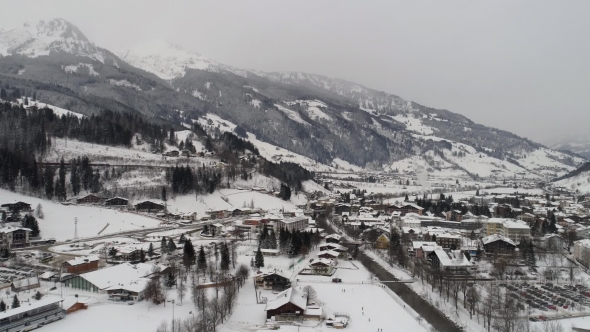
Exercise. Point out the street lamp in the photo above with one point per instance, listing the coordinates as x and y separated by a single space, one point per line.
172 301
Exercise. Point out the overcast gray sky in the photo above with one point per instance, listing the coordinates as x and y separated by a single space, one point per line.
516 65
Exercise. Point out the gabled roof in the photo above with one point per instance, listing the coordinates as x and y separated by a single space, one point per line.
330 253
334 236
496 237
25 282
290 295
455 258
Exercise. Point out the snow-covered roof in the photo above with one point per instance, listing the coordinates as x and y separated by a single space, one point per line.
330 253
583 243
419 244
496 237
13 229
82 260
25 282
321 261
24 307
455 258
334 246
313 311
290 295
334 236
118 275
47 275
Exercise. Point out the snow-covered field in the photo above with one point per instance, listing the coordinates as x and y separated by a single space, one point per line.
59 219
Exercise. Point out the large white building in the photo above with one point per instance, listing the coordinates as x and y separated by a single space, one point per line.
582 251
510 228
292 224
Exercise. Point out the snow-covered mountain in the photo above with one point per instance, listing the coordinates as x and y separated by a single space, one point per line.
45 37
579 144
292 116
169 61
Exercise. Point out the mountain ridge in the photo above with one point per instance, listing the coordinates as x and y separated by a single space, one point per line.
324 119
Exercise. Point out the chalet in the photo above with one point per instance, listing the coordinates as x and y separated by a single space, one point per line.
14 237
81 264
412 233
333 238
322 266
497 244
333 246
406 208
171 153
217 214
149 206
116 202
272 280
328 254
289 303
268 252
421 249
88 199
17 207
25 284
241 212
382 242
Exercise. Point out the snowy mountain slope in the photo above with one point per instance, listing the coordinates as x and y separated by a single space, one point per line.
212 122
45 37
304 118
169 61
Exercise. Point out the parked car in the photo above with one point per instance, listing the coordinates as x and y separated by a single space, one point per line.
336 280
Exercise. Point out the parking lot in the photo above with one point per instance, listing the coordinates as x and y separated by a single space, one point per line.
557 300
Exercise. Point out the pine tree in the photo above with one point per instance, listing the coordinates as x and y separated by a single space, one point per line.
189 254
272 239
142 256
95 185
2 306
48 179
202 260
171 245
163 245
75 178
164 196
225 259
35 175
259 259
151 250
170 278
61 193
15 302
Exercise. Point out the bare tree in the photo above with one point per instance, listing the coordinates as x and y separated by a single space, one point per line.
551 326
472 300
309 294
181 288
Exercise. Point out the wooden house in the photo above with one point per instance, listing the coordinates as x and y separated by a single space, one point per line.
289 304
116 201
272 280
88 199
382 242
149 206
